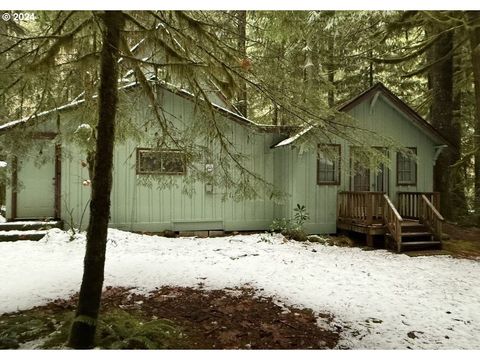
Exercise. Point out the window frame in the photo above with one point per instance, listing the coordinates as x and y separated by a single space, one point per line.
336 162
415 180
141 150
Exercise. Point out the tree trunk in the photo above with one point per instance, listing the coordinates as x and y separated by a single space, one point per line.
474 20
84 325
242 49
441 114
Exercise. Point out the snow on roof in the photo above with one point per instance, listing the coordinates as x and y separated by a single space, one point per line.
72 104
294 137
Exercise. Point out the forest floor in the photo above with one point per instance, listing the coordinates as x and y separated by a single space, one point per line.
463 241
197 319
371 299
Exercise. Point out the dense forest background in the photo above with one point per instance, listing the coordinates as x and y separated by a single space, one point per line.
281 67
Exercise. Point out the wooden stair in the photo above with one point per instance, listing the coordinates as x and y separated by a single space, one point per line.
416 236
26 230
415 223
418 226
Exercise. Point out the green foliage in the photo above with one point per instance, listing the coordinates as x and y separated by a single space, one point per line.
280 225
292 228
301 215
17 329
118 329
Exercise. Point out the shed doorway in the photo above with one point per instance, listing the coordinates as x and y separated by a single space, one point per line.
37 179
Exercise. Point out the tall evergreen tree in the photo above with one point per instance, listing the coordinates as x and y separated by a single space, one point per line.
474 35
84 324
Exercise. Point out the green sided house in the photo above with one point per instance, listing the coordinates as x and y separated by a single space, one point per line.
396 201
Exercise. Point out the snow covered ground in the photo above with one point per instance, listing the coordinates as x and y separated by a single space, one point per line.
382 300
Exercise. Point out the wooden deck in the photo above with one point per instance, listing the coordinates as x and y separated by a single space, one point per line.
414 223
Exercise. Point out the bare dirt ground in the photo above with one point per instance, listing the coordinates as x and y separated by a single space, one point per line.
218 319
463 242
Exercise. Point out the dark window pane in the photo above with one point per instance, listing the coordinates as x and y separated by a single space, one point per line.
406 169
173 162
328 165
160 162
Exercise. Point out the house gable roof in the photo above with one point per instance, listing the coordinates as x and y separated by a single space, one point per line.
400 104
31 120
370 93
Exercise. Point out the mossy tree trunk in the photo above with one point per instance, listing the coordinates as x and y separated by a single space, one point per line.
84 325
474 21
441 114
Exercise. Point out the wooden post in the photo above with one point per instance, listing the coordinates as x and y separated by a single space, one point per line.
369 206
369 240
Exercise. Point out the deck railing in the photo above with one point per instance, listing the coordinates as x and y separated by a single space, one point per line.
393 221
409 203
430 217
363 207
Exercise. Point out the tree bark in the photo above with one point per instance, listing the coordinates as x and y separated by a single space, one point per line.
84 325
441 115
474 21
242 49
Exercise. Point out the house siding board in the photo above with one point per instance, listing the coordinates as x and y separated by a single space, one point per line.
319 200
169 208
386 120
147 208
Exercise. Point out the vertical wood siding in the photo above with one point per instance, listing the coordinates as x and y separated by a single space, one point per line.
149 208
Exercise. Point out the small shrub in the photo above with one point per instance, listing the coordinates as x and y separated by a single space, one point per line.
301 215
292 228
280 225
295 234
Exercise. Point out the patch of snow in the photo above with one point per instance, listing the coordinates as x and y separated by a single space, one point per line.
3 164
379 299
83 127
294 137
32 222
22 232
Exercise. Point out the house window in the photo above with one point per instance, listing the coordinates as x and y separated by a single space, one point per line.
165 162
328 165
406 168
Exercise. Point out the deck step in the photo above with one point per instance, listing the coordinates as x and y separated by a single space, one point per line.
423 244
416 234
30 225
414 228
28 235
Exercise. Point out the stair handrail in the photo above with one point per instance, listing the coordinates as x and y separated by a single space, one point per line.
393 221
431 217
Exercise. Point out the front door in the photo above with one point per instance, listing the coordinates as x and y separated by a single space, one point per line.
361 178
36 183
366 179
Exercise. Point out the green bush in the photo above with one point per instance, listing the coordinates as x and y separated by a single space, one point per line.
292 228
